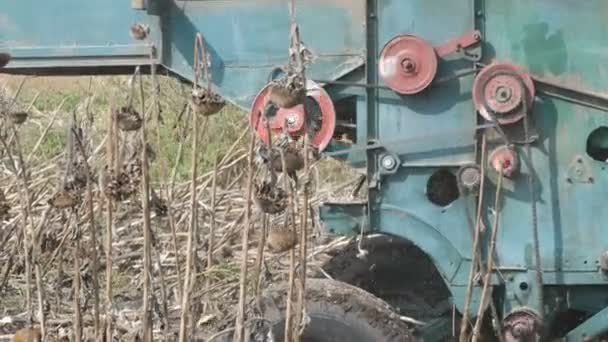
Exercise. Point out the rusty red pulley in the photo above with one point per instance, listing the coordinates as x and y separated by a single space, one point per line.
408 64
501 89
319 116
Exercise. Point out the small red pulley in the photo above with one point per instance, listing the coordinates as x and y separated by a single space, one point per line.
319 118
504 159
501 90
408 64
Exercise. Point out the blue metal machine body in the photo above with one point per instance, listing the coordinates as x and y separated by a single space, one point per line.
558 40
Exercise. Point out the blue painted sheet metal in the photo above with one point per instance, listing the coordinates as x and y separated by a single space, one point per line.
594 326
73 33
446 107
564 40
248 39
561 43
570 215
407 190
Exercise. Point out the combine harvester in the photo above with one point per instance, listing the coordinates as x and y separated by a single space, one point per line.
480 127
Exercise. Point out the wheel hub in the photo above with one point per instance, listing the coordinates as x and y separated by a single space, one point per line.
522 326
316 115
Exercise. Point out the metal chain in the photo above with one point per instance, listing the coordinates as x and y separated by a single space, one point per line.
532 173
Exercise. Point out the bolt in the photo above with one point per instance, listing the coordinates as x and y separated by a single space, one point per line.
503 94
408 65
388 162
470 176
292 119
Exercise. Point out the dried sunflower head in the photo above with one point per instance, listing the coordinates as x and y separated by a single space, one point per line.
128 119
206 102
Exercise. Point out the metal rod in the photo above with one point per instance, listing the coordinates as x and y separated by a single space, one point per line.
436 82
576 95
384 144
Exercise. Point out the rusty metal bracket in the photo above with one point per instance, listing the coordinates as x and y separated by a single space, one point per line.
466 46
515 133
579 171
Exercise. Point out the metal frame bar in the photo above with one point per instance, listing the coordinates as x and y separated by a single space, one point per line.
592 327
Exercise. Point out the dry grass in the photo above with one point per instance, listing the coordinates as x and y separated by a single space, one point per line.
215 290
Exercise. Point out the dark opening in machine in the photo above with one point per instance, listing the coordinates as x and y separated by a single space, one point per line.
442 187
597 144
346 120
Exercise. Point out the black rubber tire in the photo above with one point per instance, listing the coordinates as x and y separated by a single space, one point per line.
338 312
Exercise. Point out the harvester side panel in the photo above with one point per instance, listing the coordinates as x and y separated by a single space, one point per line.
60 34
411 146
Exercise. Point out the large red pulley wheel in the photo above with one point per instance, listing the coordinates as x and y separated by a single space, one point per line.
408 64
501 90
321 117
